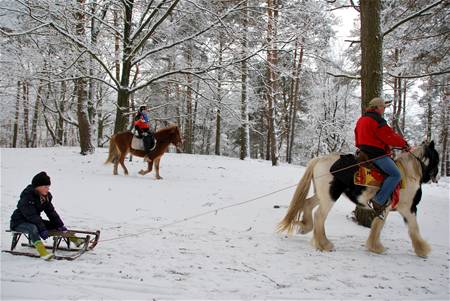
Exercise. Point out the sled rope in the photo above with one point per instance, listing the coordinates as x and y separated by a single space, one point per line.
146 230
198 215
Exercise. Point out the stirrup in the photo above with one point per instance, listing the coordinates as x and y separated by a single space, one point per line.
379 211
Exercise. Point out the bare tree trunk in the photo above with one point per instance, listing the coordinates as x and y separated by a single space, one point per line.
272 9
295 99
49 128
92 90
188 129
402 126
219 97
429 111
26 113
36 117
60 124
123 94
395 102
116 45
100 119
291 102
84 125
445 161
178 95
371 52
16 117
398 110
209 134
244 130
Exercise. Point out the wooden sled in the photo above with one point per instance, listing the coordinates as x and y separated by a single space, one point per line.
89 240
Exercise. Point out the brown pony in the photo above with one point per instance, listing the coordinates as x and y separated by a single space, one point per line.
120 146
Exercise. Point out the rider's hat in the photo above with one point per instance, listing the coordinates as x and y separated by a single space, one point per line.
379 102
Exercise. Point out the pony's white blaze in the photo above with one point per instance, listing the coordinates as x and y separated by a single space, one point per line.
299 215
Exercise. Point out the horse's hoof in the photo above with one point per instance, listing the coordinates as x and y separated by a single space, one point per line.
303 228
159 178
142 172
328 247
422 249
377 248
323 247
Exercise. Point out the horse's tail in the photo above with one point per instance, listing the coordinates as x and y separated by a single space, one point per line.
298 200
113 152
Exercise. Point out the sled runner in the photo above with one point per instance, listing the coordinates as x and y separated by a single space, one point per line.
74 242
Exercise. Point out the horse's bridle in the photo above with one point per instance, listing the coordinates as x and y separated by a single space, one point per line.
422 165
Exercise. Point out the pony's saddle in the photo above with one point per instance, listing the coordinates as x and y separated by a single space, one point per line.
146 143
358 170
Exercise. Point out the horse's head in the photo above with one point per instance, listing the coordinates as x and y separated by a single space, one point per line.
430 159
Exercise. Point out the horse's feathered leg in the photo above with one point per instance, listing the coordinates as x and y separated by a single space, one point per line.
320 240
306 224
421 247
373 243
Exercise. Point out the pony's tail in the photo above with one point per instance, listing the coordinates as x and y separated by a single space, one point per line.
113 153
298 200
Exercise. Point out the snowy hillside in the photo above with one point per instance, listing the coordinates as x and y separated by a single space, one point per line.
229 254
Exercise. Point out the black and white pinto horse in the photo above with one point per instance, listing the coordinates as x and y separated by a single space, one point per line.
419 166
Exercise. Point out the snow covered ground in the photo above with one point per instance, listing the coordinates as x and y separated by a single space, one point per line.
229 254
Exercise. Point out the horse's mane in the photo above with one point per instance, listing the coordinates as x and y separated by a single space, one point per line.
167 129
410 165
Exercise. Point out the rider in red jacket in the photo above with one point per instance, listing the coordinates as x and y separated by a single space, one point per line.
141 124
375 138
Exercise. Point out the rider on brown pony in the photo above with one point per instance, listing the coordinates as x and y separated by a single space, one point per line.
374 137
141 125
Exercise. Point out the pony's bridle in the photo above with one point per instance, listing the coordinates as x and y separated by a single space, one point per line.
422 165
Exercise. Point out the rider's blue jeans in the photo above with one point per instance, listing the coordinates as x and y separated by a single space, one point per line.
30 229
390 182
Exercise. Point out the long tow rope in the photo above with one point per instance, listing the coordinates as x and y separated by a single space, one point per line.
146 230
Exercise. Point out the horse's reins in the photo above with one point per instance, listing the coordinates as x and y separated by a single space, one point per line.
422 165
353 165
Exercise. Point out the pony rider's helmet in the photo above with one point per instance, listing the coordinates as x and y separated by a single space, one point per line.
142 108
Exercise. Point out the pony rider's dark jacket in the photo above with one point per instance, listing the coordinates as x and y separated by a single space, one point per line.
374 137
29 210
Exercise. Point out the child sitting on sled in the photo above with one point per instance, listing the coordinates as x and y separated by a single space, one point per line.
34 199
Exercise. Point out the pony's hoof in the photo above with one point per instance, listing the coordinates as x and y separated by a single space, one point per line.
142 172
303 228
377 248
423 250
328 247
324 246
159 177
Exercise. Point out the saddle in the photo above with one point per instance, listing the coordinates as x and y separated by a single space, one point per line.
357 170
137 143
